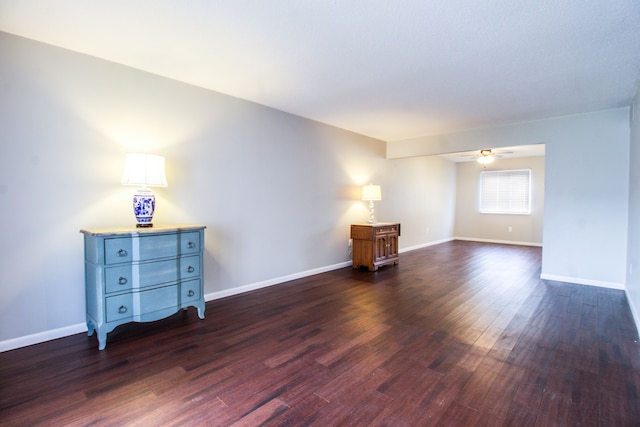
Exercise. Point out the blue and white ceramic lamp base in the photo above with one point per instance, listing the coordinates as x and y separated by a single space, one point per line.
144 204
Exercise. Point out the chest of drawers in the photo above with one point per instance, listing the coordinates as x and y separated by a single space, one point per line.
375 244
141 275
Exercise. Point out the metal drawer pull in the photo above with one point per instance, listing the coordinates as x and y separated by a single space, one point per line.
122 281
190 293
122 309
190 269
191 245
121 253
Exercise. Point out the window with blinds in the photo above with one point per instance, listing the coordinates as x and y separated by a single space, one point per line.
505 192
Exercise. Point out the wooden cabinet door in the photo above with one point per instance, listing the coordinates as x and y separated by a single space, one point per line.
381 248
392 245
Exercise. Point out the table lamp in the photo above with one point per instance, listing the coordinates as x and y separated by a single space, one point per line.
371 192
144 170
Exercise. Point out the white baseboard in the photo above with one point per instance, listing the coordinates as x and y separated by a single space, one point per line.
52 334
580 281
634 312
275 281
424 245
501 242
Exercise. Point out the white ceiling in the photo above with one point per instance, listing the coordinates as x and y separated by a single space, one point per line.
388 69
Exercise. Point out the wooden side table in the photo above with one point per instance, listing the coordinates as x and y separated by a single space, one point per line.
375 245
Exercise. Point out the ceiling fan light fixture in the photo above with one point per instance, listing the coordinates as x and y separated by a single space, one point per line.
485 160
485 157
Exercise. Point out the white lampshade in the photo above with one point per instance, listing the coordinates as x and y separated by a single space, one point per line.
146 170
371 192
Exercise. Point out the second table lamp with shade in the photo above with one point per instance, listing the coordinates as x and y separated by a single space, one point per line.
371 192
144 170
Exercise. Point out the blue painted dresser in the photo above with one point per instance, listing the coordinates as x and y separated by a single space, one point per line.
141 274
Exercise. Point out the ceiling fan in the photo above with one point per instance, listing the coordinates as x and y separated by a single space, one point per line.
488 156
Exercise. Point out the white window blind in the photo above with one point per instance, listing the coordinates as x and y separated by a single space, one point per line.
505 192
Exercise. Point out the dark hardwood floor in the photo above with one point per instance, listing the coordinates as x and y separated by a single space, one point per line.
458 334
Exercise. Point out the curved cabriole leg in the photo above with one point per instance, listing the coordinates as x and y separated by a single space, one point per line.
102 340
201 310
90 328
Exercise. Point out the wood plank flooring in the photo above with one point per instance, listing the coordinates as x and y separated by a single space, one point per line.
458 334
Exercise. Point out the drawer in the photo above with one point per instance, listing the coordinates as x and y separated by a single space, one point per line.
134 304
190 291
143 275
159 246
118 250
368 232
361 232
118 279
119 307
190 243
392 229
144 248
127 249
156 273
189 267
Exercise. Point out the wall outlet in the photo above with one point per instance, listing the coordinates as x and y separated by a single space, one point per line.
510 229
349 243
427 230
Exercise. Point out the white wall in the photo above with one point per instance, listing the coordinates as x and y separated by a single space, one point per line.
633 261
470 224
586 188
586 201
423 200
277 192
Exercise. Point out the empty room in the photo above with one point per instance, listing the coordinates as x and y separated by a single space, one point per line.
361 213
